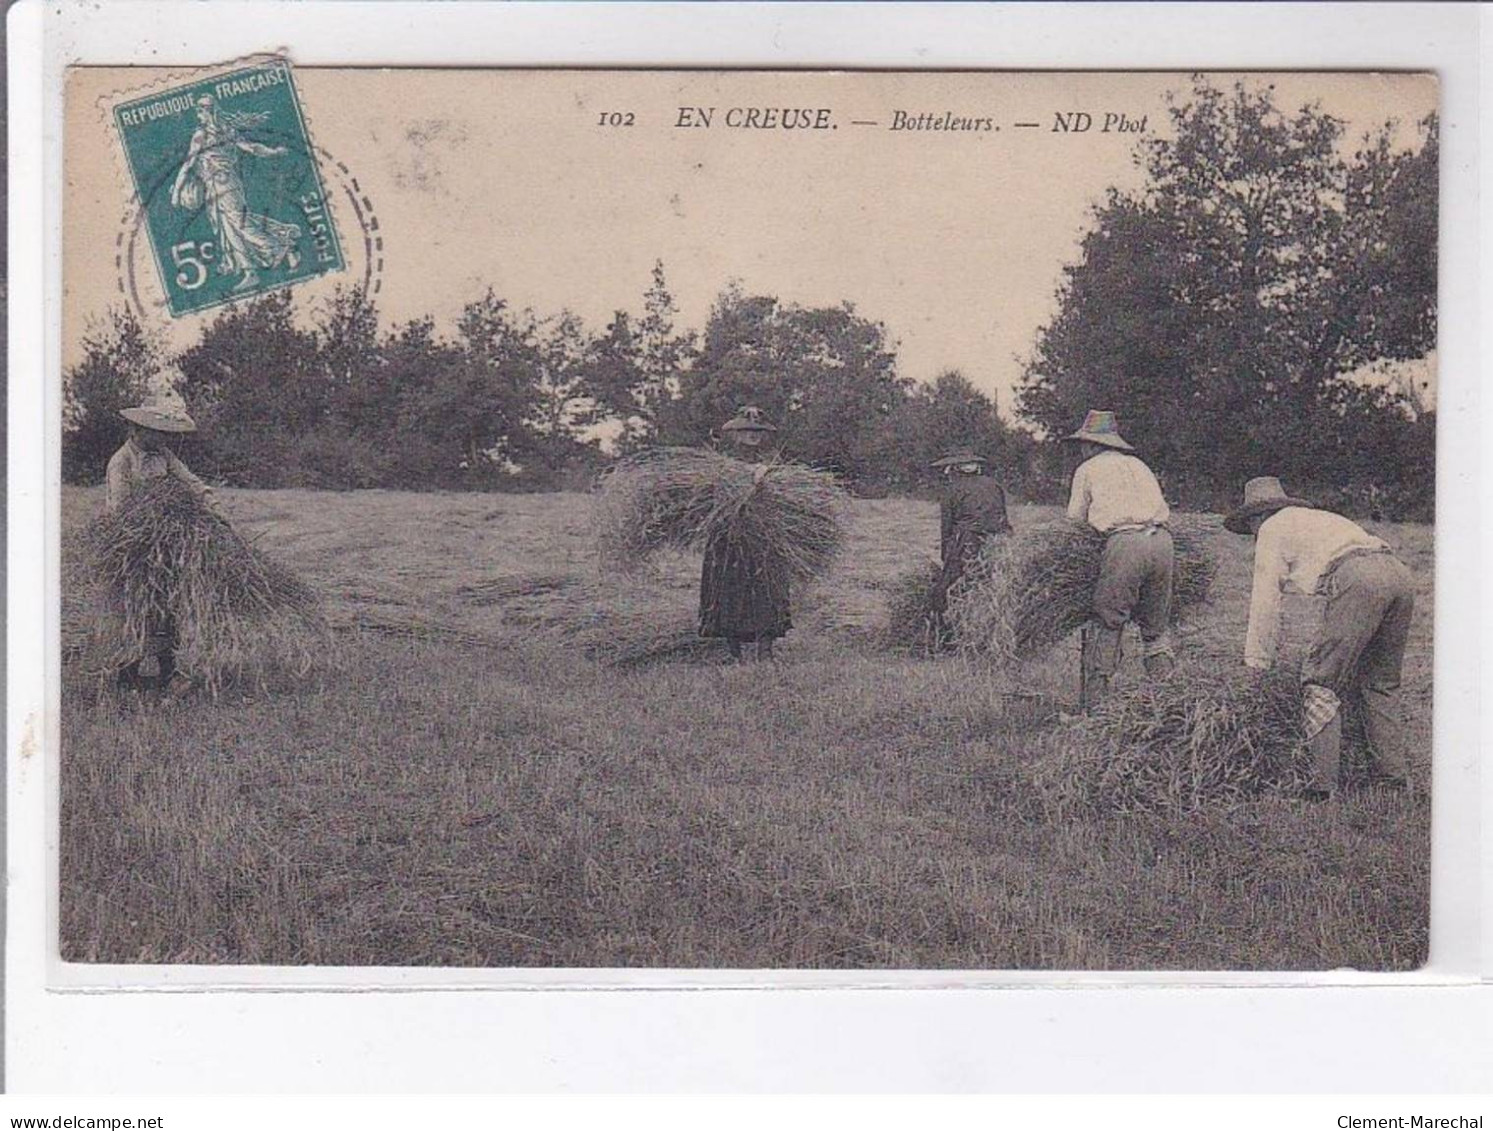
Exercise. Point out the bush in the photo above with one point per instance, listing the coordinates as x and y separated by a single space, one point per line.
328 459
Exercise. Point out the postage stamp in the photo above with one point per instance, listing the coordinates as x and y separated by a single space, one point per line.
230 191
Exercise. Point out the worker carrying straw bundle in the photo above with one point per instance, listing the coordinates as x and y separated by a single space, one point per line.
167 592
1359 649
145 457
746 593
972 511
759 522
1116 494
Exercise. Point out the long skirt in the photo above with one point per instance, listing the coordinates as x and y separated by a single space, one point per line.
743 595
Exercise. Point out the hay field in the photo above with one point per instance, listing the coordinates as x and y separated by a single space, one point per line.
470 787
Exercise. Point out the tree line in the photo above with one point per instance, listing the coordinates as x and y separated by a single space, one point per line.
509 400
1218 310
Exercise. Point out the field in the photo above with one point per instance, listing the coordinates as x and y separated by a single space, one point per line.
464 784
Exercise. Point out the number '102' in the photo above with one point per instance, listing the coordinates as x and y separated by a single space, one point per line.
616 118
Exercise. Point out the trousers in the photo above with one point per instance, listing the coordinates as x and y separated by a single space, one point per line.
1135 583
1358 655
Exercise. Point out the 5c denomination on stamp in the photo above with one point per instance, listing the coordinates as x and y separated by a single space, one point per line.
229 189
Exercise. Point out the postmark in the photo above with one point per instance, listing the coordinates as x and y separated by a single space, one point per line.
230 191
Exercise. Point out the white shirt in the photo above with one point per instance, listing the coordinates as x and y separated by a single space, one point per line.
1114 489
132 465
1293 549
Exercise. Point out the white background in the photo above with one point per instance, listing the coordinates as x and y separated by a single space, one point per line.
1428 1031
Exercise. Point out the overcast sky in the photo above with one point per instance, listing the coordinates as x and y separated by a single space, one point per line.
956 240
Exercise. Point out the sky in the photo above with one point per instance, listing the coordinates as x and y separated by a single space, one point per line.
956 240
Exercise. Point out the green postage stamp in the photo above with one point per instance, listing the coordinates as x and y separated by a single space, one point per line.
228 186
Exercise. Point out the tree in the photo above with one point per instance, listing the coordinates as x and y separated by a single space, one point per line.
565 404
348 353
465 406
826 375
953 413
254 384
614 374
1389 236
636 368
120 361
441 429
1218 308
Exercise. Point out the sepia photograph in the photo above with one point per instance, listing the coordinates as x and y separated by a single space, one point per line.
747 520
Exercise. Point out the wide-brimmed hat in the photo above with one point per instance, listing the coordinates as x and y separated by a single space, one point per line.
160 416
1262 495
1099 427
748 419
957 457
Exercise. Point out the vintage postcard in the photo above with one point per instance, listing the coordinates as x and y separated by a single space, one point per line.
747 520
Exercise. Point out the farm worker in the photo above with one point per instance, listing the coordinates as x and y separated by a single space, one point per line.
1359 648
147 455
972 510
744 593
1118 495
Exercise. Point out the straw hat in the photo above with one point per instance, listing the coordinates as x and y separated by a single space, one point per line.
1100 428
1262 495
749 419
957 458
160 414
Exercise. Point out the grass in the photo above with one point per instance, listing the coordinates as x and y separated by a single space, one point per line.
472 789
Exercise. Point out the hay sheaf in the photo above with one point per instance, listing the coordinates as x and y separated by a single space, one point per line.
1028 590
620 635
616 623
165 557
1199 738
684 498
910 626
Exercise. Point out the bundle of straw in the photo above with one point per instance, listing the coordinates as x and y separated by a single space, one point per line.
1030 589
685 498
1200 737
910 625
165 558
628 637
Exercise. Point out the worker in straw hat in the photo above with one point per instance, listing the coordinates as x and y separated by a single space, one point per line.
147 452
146 455
972 510
1117 494
745 595
1359 648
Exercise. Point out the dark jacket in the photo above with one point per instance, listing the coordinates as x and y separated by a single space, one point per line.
974 506
744 595
973 509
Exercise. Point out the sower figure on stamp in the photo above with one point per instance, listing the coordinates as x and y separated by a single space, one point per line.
210 178
1360 647
972 510
1118 495
147 455
745 594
